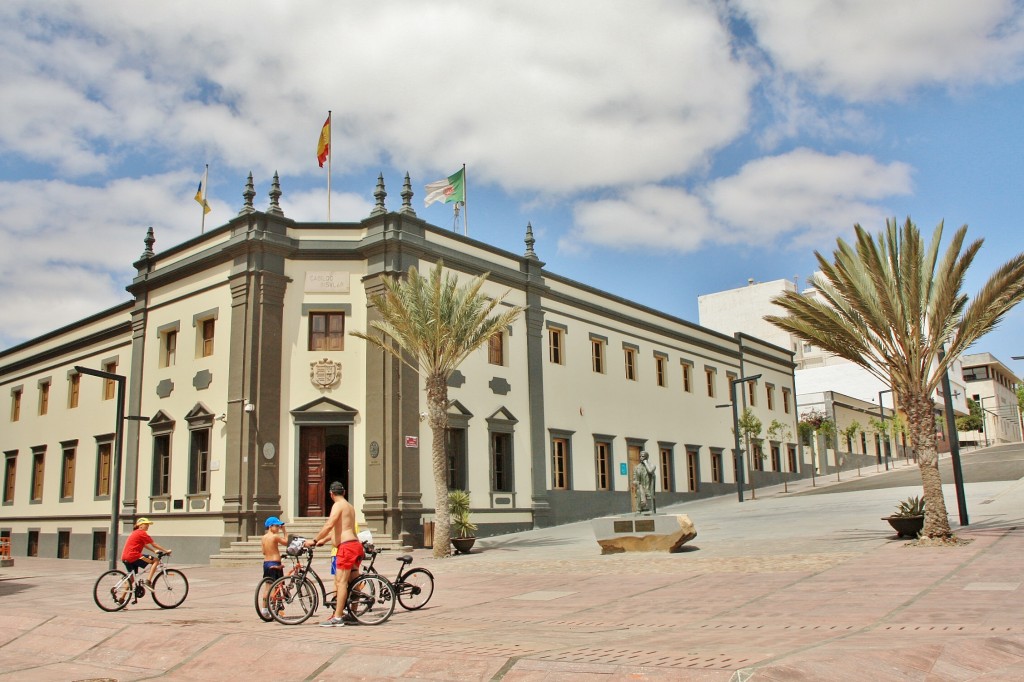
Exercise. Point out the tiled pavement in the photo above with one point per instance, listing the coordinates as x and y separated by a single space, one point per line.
784 587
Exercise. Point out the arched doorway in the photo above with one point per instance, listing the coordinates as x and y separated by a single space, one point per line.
324 453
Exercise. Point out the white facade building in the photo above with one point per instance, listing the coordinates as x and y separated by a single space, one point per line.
991 384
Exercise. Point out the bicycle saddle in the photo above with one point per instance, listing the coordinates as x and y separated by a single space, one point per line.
405 559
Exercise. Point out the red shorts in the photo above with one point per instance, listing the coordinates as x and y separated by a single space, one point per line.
350 555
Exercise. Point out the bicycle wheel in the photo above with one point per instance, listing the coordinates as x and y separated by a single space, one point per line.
112 591
416 589
170 587
292 600
371 599
262 605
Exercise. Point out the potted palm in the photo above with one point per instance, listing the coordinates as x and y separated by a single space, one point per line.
909 517
463 528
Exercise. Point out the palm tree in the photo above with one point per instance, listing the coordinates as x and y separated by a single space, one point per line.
437 323
891 305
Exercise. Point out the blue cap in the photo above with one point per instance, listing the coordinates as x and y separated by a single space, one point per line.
273 521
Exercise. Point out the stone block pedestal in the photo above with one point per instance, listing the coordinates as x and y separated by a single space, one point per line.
634 533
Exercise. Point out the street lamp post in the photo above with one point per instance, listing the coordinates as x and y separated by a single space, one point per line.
736 431
881 415
954 443
984 419
115 466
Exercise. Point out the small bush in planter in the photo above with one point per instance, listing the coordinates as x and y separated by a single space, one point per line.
912 506
462 527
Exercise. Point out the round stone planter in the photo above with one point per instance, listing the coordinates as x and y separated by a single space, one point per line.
463 545
905 526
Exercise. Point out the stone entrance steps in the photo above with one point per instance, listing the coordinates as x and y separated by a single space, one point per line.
248 552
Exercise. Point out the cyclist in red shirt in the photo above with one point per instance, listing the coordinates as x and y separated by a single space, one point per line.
139 540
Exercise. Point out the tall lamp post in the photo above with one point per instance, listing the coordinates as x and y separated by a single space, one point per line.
954 443
736 431
881 415
115 466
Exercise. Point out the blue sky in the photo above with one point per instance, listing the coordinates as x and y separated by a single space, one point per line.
661 150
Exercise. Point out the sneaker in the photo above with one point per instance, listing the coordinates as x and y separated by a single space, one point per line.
266 614
333 623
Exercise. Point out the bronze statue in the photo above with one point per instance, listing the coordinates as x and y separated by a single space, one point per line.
643 480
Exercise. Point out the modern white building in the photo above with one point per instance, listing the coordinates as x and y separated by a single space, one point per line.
991 384
818 372
246 395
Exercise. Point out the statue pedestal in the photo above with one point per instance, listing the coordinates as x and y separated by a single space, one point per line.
655 533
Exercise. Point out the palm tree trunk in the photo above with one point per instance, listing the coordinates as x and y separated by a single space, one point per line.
922 438
437 409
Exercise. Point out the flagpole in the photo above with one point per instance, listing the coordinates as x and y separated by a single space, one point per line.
465 204
330 153
202 207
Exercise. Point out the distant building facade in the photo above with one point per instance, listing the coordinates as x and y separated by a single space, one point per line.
991 384
249 395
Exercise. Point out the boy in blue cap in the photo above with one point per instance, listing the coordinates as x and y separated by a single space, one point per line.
272 542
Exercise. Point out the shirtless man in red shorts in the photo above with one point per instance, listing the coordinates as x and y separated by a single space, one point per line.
340 529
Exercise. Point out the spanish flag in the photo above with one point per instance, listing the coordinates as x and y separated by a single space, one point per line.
323 147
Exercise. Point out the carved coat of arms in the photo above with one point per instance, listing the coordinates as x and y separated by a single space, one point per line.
324 373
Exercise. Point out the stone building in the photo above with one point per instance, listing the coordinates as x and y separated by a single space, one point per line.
246 396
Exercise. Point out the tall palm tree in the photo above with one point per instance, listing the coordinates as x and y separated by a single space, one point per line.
438 324
890 304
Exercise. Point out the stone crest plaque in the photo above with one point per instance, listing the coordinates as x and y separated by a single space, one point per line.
324 373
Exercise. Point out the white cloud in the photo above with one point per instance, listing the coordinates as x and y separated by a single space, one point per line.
874 49
801 198
531 95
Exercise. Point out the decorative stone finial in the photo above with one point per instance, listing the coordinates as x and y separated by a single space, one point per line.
148 241
249 194
530 253
407 208
275 196
379 195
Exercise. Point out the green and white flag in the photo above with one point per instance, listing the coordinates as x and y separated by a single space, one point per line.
452 188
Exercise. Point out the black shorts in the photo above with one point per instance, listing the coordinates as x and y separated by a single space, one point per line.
272 572
136 565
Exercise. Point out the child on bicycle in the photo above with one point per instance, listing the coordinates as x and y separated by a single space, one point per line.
272 542
139 540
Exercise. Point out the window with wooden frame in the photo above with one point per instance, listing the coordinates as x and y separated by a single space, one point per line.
776 458
10 474
501 462
785 400
630 357
199 461
44 397
161 465
556 341
792 458
207 328
560 463
327 331
38 469
716 467
667 474
169 348
660 361
67 472
752 393
496 349
16 404
769 394
103 453
709 378
74 386
603 463
109 385
692 471
687 377
597 354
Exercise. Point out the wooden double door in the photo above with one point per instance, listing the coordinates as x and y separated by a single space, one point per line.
323 459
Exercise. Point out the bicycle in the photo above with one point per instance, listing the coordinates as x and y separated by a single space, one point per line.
414 587
262 599
294 598
115 588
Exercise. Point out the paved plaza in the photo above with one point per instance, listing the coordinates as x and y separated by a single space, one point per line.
804 584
